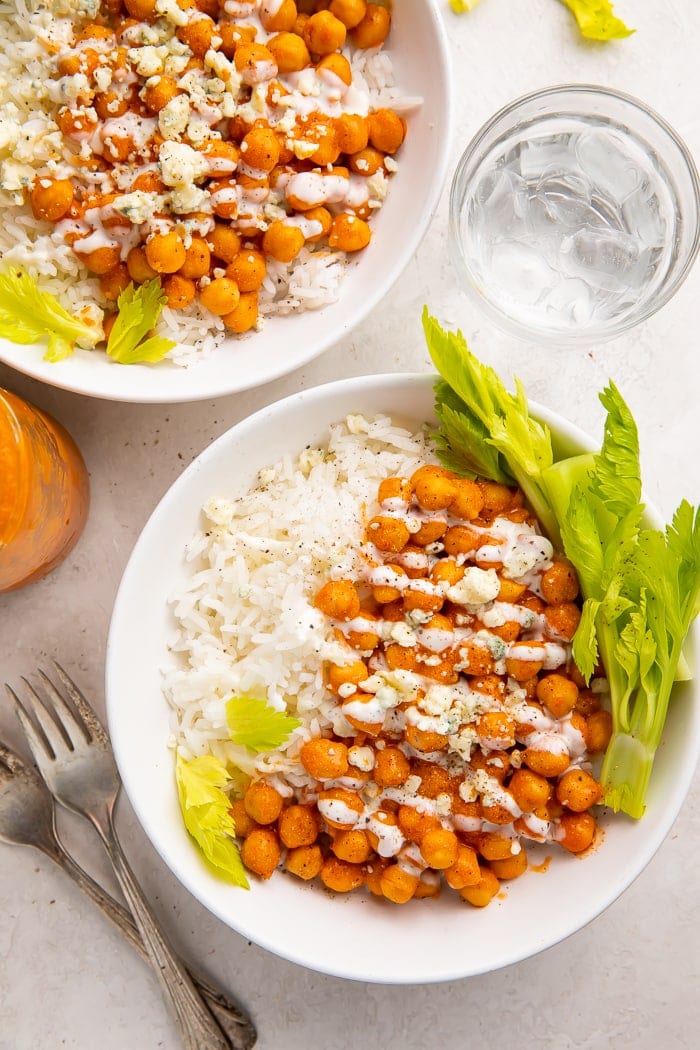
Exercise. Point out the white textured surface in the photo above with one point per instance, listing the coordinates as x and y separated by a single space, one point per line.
630 979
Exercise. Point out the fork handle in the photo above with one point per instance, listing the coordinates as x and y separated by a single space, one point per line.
198 1028
233 1021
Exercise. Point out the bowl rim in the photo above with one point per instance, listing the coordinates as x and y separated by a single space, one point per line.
177 386
566 432
587 334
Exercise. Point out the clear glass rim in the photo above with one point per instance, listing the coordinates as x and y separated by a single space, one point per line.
589 333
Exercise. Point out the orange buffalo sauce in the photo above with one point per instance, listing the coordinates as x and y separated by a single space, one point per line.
44 492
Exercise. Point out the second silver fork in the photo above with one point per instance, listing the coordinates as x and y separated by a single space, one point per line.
74 757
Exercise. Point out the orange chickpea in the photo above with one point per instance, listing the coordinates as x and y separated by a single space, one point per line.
373 873
559 583
324 759
340 876
414 825
51 199
374 27
159 92
224 242
100 260
244 316
562 620
460 539
138 266
222 157
141 10
557 693
352 846
546 763
598 731
481 894
497 498
113 283
429 532
180 291
468 499
398 885
366 161
511 868
578 790
577 831
262 802
349 801
261 852
197 260
522 664
395 489
365 639
243 823
339 674
352 133
197 35
425 739
276 17
478 660
338 599
324 217
349 233
530 790
493 846
446 571
496 729
233 35
509 590
290 52
282 241
110 104
165 252
304 861
349 12
254 62
74 124
440 848
386 593
298 826
260 149
247 269
338 65
220 296
465 870
324 33
388 534
391 768
386 130
433 487
401 657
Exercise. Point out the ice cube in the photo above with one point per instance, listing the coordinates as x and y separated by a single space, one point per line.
520 272
545 153
606 159
499 206
606 259
571 301
566 197
642 216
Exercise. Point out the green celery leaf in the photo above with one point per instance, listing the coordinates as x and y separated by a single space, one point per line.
139 309
206 813
616 479
27 315
585 644
683 542
463 440
256 725
596 19
461 6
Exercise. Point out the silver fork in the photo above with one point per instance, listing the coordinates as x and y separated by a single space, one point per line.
27 818
75 759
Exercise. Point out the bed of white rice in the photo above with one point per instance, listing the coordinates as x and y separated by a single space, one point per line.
29 137
246 622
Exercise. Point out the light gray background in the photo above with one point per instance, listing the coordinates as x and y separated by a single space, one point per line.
631 978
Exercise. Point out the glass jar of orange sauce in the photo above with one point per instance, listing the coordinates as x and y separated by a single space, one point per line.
44 492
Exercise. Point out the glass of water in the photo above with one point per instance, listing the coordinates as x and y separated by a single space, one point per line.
574 215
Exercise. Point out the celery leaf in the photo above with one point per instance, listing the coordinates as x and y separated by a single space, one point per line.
255 724
139 309
596 19
28 315
206 813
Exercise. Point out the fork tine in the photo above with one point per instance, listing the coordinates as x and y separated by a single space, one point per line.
70 722
57 721
39 743
91 720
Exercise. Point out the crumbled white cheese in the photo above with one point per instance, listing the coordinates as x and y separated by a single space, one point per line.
174 116
138 206
476 587
179 163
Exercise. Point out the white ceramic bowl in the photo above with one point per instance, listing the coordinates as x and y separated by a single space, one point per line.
419 52
353 936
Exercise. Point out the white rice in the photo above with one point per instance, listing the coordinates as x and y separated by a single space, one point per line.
30 138
246 622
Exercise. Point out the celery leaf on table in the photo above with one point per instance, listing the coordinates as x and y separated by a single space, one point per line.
640 585
138 310
206 813
28 315
256 725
